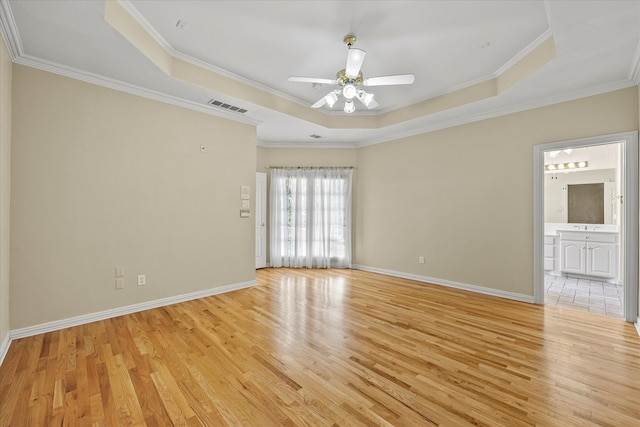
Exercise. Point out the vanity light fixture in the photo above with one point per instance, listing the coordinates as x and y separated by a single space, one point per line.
562 166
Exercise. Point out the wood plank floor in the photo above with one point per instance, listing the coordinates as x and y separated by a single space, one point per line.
330 348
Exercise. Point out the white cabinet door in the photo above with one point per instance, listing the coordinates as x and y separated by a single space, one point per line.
572 256
589 253
602 259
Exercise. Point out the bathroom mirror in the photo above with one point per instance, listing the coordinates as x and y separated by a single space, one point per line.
585 203
584 197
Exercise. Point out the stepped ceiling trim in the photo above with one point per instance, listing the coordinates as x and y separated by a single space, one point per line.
438 110
151 44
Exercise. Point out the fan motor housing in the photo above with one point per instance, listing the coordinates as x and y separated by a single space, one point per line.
342 78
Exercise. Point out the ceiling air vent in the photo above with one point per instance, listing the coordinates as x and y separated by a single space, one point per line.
226 106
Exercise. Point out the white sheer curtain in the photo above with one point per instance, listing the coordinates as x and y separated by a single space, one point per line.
310 217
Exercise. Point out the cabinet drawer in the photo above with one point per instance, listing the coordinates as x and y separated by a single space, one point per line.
585 236
549 251
548 264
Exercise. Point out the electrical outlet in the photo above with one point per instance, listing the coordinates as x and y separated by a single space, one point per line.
142 279
421 259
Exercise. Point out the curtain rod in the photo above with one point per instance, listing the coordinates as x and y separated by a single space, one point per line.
311 167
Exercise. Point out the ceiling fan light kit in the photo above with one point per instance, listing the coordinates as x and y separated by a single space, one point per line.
349 107
331 99
350 79
349 91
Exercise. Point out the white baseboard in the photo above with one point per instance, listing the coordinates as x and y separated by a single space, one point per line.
4 347
107 314
450 284
637 325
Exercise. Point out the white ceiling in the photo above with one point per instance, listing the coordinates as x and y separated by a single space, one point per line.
448 45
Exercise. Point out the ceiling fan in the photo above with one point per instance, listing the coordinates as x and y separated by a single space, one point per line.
351 79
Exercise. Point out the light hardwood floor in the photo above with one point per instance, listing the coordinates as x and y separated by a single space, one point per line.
330 348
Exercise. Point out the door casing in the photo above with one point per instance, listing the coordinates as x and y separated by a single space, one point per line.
629 141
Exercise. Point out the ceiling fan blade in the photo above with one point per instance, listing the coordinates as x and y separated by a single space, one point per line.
355 58
312 80
367 99
399 79
320 103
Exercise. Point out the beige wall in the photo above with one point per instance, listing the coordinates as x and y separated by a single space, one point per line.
103 179
5 186
463 197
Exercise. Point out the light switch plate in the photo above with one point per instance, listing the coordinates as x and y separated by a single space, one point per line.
245 192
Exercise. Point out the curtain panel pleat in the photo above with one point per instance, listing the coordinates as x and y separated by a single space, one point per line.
310 217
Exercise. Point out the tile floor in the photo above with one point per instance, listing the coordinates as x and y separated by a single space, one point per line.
584 294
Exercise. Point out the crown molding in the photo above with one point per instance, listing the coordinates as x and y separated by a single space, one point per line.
497 112
471 118
435 94
131 9
126 4
96 79
9 31
345 145
506 66
523 53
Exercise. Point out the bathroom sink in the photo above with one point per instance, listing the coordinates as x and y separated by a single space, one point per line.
589 230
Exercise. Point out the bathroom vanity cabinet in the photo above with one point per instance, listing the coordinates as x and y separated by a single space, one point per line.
589 253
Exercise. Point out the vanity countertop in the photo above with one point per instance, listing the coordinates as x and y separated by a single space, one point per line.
575 230
554 228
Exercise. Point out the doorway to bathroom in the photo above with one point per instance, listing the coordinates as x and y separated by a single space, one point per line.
584 241
582 223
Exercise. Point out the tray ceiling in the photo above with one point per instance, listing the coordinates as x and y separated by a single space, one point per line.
471 59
